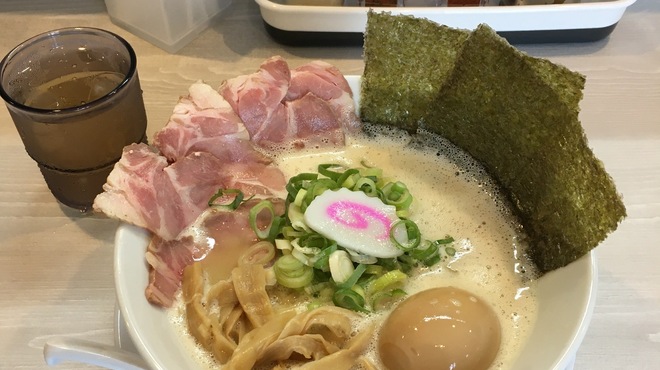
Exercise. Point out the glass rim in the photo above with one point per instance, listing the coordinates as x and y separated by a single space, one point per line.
132 68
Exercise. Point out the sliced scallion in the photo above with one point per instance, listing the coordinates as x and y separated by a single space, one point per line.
355 276
413 235
371 172
315 189
298 182
283 244
292 273
290 233
326 170
341 266
367 186
374 270
350 299
270 231
321 260
389 280
384 299
235 202
348 178
397 194
427 253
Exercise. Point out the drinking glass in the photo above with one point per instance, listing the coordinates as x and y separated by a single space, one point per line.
75 99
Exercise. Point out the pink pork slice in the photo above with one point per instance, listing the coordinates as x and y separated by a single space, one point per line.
309 106
145 190
204 121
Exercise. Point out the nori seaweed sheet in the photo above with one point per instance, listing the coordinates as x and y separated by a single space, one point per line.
518 116
566 83
407 60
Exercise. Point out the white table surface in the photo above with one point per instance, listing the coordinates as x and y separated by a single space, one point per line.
56 263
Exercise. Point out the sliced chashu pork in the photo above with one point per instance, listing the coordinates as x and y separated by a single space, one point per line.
326 82
145 190
208 144
204 121
257 97
309 106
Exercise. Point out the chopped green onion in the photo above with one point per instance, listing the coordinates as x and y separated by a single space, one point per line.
447 240
298 182
389 263
295 243
359 290
424 253
324 169
283 245
444 243
374 270
324 276
274 225
299 197
406 259
297 218
412 233
404 213
314 305
406 262
348 178
367 186
388 281
313 289
321 260
325 270
361 258
397 194
355 276
350 299
314 240
290 233
372 172
341 266
429 256
384 299
302 257
237 200
432 260
292 273
315 189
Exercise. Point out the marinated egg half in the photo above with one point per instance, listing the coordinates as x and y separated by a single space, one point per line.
440 328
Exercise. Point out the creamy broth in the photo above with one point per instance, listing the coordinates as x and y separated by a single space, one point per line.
452 196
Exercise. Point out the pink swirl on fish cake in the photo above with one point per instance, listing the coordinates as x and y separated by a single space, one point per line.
352 215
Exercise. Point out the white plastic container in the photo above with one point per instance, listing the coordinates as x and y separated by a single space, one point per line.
573 21
168 24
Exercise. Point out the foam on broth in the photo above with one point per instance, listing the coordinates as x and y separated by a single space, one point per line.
453 196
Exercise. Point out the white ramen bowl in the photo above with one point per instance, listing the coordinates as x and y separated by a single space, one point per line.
566 299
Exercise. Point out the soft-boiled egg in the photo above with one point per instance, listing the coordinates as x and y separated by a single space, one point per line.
440 328
355 221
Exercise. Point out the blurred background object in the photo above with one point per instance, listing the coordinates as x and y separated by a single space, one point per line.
168 24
